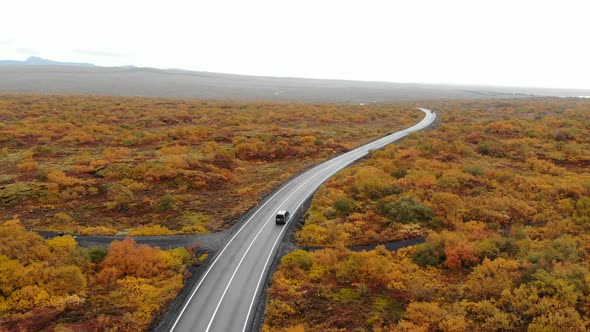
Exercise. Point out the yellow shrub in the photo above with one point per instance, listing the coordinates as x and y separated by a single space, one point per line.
62 217
59 177
98 230
172 150
28 165
98 163
112 154
152 231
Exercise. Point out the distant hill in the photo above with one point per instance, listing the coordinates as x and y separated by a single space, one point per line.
37 61
41 76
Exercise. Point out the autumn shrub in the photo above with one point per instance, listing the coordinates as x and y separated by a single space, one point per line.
405 210
562 135
492 277
297 259
42 150
428 254
97 230
59 177
95 254
174 150
338 288
492 149
313 235
399 173
345 206
62 217
499 192
474 170
224 160
582 211
112 159
195 223
166 203
371 183
151 231
28 166
123 287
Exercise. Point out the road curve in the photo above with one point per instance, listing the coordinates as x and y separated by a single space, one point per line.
226 295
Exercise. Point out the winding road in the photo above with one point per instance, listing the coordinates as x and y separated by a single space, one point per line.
226 295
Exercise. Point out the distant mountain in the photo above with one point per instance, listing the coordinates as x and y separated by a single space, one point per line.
41 76
11 62
37 61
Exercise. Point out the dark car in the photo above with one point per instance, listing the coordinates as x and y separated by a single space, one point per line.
282 217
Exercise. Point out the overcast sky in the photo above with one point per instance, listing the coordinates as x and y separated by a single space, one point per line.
515 43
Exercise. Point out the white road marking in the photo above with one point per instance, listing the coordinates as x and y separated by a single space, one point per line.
238 232
326 165
427 117
272 250
233 237
254 240
225 247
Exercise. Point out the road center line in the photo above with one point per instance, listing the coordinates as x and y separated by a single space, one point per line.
254 240
225 247
273 248
406 132
337 161
238 232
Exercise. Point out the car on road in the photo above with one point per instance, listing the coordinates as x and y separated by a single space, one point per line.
282 217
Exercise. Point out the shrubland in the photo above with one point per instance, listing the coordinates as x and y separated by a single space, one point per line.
153 166
141 166
500 190
54 285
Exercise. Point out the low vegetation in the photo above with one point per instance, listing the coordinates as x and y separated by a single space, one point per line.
107 165
141 166
501 192
54 285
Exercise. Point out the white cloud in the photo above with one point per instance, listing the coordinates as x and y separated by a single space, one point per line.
525 42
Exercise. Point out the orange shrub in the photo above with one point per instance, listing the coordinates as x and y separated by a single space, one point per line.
59 177
173 150
28 165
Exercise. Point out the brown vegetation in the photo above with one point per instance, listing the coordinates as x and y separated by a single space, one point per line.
102 165
502 191
105 165
55 285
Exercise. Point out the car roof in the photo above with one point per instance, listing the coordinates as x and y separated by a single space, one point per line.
282 212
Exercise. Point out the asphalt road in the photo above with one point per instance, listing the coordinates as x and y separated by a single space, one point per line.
225 297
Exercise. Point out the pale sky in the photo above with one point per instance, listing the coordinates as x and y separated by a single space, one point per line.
511 43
